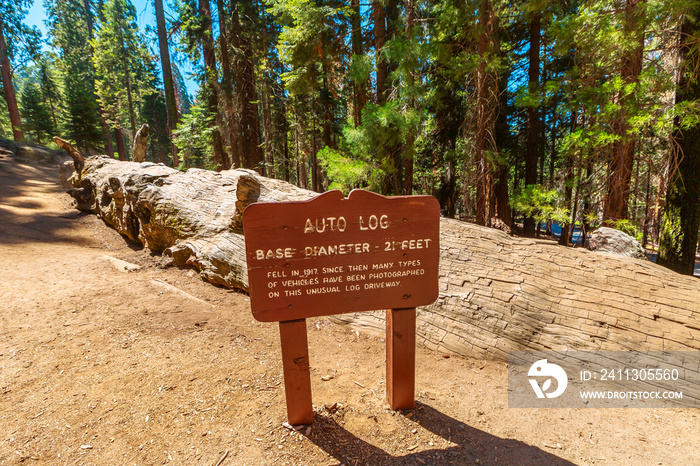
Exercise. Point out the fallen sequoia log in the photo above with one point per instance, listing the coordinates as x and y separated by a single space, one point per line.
497 293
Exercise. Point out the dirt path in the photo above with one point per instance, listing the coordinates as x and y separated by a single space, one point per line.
104 366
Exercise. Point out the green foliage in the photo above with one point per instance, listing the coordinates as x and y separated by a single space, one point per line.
154 114
306 42
122 63
360 68
35 113
191 29
309 77
541 204
70 37
5 130
22 43
82 120
345 173
592 219
193 138
628 227
382 126
594 86
49 86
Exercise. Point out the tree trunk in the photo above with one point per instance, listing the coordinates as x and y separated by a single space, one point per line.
379 16
410 135
359 89
106 133
327 105
282 125
313 160
487 101
129 97
682 214
121 149
448 120
9 88
647 202
622 160
269 165
251 154
170 102
502 169
232 123
397 151
493 297
532 149
568 191
212 82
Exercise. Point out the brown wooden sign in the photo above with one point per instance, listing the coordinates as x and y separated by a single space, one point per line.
332 255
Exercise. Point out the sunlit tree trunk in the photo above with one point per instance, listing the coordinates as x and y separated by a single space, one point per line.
212 82
251 154
121 148
382 65
170 102
359 90
106 132
410 136
232 121
487 99
622 160
269 165
532 149
502 166
9 89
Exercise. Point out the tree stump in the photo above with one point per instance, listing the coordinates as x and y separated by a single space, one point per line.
140 142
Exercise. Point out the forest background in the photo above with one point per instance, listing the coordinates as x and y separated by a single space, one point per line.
514 114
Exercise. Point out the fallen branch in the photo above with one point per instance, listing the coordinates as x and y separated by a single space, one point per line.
78 159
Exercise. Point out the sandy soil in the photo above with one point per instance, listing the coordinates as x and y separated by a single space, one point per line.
104 366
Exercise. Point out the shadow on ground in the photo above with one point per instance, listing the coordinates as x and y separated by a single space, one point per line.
469 444
23 216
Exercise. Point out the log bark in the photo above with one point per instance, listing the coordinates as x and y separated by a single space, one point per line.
497 293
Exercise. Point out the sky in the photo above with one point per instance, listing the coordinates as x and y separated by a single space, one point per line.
144 16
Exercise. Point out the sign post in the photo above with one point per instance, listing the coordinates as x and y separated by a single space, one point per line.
333 255
297 375
401 357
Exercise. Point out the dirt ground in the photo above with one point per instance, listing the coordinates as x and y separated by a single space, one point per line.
104 366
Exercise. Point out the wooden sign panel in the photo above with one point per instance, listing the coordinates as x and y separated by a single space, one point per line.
332 255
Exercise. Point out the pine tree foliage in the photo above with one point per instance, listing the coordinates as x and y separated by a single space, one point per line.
524 115
70 39
123 66
36 115
18 43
